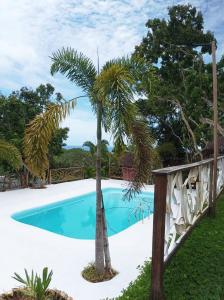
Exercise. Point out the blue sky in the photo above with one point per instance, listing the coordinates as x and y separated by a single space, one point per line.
32 30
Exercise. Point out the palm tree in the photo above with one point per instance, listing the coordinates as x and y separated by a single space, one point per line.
91 146
110 92
105 155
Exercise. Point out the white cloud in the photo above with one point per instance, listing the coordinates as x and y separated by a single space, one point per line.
31 30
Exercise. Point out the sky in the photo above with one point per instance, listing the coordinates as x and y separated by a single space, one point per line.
30 31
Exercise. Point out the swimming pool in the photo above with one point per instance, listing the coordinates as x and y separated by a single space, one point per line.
75 217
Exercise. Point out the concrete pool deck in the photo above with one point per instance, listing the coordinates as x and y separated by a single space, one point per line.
25 246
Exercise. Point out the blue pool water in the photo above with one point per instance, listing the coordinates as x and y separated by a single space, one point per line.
75 217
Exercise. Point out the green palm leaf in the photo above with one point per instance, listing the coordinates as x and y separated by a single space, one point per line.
121 116
142 142
77 67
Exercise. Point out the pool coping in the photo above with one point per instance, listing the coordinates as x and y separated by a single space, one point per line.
33 248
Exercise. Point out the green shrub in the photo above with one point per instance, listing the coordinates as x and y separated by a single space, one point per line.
36 286
139 289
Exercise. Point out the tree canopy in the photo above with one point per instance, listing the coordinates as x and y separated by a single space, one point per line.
177 111
20 107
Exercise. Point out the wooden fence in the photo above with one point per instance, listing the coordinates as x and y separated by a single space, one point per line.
65 174
183 195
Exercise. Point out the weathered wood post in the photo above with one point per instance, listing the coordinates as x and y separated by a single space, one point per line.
215 119
158 236
211 212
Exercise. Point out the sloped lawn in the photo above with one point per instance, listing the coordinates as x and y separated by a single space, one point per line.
197 271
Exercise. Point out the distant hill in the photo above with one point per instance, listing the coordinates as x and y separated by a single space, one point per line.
72 147
68 147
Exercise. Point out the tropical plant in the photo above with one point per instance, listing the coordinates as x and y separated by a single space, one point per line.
104 157
19 108
10 154
93 148
36 285
110 92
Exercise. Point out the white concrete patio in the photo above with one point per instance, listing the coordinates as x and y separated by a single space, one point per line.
24 246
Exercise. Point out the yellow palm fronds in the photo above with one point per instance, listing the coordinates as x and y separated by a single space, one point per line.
39 133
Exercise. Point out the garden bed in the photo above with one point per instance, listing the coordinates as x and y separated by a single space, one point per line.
24 294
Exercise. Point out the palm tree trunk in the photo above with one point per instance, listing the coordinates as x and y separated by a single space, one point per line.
99 241
106 241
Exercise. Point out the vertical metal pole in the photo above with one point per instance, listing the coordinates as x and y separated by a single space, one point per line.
158 237
215 119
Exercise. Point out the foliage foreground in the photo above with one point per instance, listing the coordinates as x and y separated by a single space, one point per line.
35 287
196 272
23 294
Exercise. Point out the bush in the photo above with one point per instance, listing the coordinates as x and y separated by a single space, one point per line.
36 285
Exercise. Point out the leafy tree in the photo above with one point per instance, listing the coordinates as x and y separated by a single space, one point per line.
73 157
57 143
183 95
20 107
111 95
10 154
104 155
76 157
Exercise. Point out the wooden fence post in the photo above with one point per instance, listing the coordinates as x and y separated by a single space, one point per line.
215 119
211 212
158 237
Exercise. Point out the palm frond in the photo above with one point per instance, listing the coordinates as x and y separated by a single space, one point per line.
142 142
39 133
121 116
114 88
10 154
76 66
136 66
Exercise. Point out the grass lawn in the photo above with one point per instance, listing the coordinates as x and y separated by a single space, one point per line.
197 271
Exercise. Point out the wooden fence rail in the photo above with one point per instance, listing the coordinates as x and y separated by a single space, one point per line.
183 195
66 174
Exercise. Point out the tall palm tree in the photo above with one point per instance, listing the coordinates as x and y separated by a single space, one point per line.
110 92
